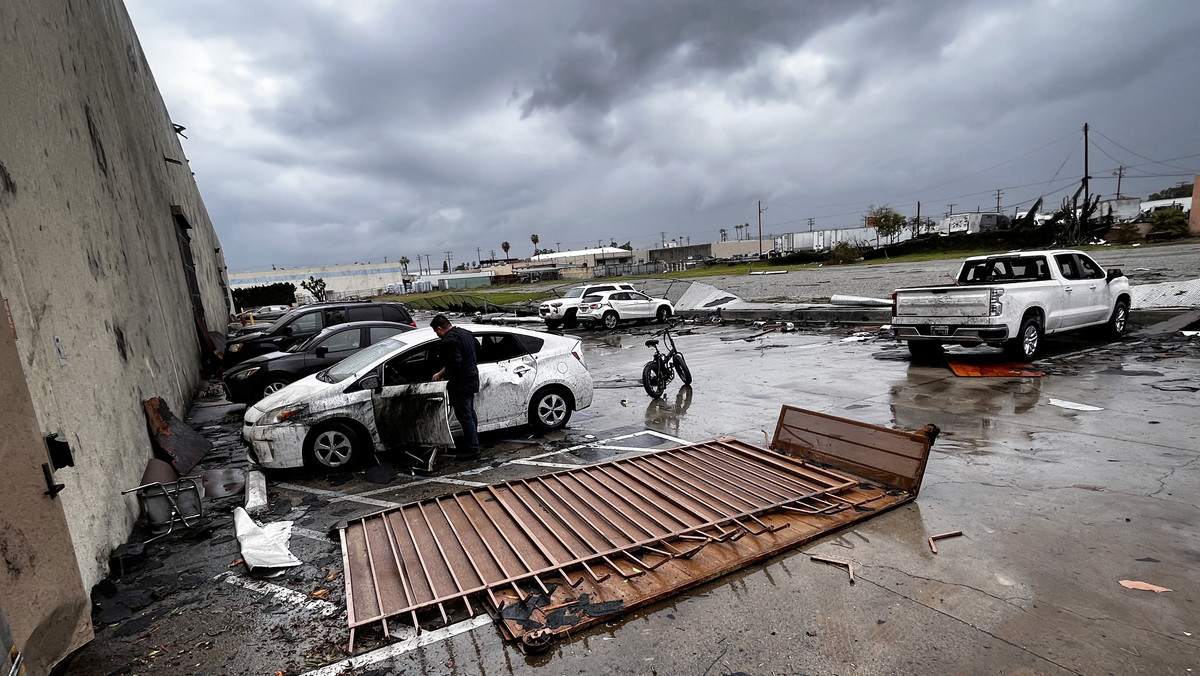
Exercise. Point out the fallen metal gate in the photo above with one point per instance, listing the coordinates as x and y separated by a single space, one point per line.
541 550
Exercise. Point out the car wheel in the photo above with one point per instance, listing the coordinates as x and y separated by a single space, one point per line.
663 314
549 409
924 350
570 320
1119 320
610 320
681 367
332 446
554 324
1028 340
274 386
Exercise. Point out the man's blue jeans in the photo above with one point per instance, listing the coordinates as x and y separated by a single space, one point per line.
464 410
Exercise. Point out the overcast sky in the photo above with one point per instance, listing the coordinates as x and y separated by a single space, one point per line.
327 132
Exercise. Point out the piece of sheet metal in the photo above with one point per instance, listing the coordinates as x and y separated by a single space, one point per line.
562 550
628 516
992 369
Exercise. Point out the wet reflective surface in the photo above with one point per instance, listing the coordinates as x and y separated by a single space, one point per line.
1056 505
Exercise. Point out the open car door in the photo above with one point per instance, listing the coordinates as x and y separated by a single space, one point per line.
411 409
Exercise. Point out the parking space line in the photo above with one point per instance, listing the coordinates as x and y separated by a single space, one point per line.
396 649
532 461
459 482
604 447
310 534
335 496
550 465
324 608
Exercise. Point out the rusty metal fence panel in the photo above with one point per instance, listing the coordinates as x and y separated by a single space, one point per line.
627 516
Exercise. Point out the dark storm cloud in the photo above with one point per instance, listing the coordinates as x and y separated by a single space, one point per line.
330 132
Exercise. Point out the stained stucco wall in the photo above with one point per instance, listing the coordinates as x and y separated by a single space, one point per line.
89 257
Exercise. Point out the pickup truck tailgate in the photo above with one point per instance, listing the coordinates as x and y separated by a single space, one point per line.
957 301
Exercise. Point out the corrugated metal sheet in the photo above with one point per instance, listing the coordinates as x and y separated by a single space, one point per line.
563 550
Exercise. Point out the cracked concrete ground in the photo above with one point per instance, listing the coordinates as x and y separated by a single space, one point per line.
1057 506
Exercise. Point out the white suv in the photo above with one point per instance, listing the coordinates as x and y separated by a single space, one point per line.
563 311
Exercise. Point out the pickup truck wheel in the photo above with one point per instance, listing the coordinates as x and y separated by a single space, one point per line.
553 324
1119 320
924 350
1028 340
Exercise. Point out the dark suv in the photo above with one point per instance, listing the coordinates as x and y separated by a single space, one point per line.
306 321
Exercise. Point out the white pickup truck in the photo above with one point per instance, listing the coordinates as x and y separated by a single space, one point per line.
1011 300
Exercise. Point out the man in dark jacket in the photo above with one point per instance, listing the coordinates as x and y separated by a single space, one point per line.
459 354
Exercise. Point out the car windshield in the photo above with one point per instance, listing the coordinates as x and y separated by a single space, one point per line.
356 362
573 293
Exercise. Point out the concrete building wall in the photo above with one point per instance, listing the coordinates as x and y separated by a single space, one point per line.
90 262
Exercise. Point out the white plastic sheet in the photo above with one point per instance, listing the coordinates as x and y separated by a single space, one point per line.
264 548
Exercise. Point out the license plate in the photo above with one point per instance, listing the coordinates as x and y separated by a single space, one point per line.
941 330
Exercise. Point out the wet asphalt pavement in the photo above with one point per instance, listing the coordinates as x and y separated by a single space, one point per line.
1057 506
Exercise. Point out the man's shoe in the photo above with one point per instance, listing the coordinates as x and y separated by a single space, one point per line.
470 455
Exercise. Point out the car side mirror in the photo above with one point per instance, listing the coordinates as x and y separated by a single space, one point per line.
285 331
321 351
371 382
1113 274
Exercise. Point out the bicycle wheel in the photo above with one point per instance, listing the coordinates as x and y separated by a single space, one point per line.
653 379
681 367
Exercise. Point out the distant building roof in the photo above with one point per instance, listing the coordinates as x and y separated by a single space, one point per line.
599 251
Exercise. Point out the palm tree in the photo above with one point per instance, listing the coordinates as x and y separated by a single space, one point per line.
404 266
505 246
534 239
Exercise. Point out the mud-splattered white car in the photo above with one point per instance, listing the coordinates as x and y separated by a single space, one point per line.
385 396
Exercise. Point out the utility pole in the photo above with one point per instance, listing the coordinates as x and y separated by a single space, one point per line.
951 207
998 194
558 247
811 222
664 239
917 230
761 209
428 264
449 257
477 255
493 254
1120 174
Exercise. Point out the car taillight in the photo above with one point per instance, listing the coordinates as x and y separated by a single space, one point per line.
995 307
893 303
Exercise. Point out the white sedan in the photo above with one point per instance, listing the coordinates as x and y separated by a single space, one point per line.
385 395
613 307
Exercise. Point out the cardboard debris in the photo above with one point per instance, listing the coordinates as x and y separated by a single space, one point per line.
1144 586
182 445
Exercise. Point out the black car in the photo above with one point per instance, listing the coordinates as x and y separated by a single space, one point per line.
305 322
259 376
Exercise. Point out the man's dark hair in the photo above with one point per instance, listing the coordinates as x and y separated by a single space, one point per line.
440 322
